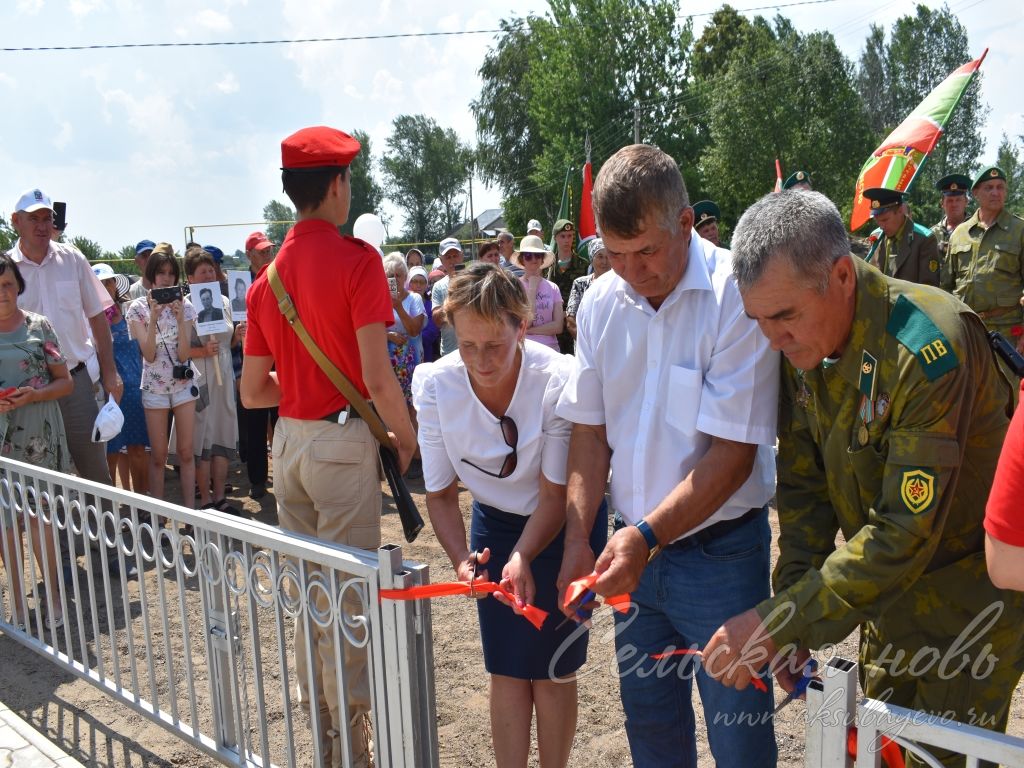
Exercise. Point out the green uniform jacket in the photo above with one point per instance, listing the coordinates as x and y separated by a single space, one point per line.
915 258
907 489
942 232
564 280
985 268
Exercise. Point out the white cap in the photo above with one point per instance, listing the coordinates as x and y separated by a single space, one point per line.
418 271
33 200
449 243
108 422
103 271
533 224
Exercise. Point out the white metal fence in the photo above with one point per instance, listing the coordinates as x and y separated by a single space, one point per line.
200 641
832 710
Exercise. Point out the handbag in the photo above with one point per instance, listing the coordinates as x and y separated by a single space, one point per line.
412 521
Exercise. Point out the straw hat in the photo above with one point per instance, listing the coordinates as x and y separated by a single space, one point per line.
533 244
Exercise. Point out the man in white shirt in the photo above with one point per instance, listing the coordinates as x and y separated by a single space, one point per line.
451 262
675 389
60 284
143 250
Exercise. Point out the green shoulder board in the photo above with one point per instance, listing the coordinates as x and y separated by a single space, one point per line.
922 231
916 331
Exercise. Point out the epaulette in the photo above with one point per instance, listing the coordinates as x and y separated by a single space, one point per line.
922 230
916 331
361 243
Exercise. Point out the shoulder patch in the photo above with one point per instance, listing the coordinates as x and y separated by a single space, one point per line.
921 230
916 331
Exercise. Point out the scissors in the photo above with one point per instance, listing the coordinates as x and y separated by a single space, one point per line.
472 581
800 688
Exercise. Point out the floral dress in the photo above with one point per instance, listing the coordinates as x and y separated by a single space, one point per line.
33 433
157 376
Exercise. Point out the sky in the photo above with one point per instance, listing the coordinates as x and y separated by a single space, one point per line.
142 143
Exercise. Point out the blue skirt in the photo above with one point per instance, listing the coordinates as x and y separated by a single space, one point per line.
512 646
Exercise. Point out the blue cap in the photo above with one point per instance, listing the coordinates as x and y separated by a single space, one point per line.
217 253
144 245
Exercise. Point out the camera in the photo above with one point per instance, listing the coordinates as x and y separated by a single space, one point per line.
182 372
166 295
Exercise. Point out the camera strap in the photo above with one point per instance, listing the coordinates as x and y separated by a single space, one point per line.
339 379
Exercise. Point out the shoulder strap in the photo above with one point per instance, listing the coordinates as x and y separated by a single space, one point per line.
339 379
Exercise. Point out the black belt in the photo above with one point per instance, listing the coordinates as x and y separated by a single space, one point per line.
333 417
712 532
77 368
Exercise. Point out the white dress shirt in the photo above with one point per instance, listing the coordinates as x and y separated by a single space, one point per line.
665 382
64 288
454 425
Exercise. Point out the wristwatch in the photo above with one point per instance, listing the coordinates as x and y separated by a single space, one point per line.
648 533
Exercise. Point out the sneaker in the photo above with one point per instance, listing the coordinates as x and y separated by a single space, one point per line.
223 506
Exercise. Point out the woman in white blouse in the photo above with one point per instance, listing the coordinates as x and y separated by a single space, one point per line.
486 416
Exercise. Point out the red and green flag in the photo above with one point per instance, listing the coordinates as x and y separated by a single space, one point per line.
899 158
586 228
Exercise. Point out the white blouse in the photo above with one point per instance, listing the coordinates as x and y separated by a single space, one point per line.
454 425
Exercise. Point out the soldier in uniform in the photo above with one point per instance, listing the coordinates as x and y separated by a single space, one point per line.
985 262
902 248
567 267
798 180
705 220
890 425
954 208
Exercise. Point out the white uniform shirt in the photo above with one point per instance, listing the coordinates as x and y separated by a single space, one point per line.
454 425
663 383
64 288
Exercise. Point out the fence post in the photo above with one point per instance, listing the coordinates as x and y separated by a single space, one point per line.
220 627
831 709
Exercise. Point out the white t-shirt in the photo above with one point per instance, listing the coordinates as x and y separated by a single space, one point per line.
454 425
413 304
64 288
664 383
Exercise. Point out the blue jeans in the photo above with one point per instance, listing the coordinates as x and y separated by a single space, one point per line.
685 594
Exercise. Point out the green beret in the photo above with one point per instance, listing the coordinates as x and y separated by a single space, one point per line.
564 225
987 174
705 212
882 198
953 185
800 177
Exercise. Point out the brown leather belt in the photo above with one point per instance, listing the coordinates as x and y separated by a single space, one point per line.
988 314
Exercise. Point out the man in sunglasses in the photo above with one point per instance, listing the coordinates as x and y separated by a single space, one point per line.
675 390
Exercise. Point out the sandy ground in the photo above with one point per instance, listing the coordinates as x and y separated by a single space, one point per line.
102 732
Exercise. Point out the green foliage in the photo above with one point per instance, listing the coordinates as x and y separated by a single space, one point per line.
1009 159
279 218
895 76
426 169
366 192
8 237
92 250
126 253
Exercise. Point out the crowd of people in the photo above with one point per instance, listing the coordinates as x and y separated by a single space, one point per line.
623 412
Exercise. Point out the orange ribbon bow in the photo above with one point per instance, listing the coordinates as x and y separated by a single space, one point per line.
531 613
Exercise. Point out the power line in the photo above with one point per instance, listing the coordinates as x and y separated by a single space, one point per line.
347 38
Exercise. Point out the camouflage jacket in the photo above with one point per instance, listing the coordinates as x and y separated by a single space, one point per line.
564 278
985 267
942 232
895 445
912 255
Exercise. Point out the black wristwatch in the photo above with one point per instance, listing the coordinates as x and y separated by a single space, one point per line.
648 533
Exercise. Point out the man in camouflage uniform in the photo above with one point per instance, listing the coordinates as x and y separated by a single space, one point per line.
954 208
902 249
567 267
985 262
891 420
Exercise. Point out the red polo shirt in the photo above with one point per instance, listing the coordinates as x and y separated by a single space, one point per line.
338 286
1004 515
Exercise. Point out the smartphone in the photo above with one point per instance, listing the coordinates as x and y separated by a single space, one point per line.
60 216
460 266
7 392
166 295
393 285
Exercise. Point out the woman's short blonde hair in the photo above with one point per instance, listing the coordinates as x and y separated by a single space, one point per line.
394 264
489 291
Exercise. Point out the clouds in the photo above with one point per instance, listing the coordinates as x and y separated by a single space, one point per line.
215 21
228 84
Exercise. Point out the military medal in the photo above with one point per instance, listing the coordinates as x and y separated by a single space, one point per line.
862 434
881 405
866 385
803 396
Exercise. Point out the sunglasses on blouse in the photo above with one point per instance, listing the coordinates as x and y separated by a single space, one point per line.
510 433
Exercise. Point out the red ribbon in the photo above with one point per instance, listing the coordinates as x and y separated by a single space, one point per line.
1017 331
576 589
531 613
892 755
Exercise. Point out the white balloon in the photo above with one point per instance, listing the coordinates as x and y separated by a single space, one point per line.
370 228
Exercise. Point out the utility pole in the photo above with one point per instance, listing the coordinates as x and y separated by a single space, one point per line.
636 122
472 217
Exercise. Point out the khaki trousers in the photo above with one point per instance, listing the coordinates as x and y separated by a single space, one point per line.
327 485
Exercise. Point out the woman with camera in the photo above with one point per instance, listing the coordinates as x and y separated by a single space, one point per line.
487 419
161 322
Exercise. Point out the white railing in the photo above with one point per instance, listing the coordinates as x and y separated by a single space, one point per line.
832 710
200 641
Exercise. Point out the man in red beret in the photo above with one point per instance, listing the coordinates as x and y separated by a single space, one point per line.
325 458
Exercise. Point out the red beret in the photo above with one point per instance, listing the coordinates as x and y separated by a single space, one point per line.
318 147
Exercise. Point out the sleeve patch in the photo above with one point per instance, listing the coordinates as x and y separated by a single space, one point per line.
917 489
916 331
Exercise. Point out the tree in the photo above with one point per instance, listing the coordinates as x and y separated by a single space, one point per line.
366 192
1009 159
873 82
923 49
279 218
425 169
8 237
127 253
90 248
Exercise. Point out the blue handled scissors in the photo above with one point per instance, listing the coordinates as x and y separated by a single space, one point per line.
800 688
581 614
